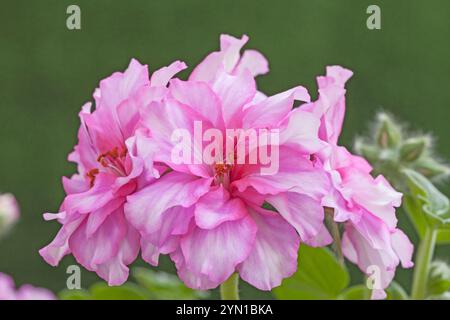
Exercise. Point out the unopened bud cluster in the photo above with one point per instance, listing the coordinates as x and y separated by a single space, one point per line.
390 150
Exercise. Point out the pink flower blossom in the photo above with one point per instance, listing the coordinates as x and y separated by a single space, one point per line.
113 161
366 205
9 212
25 292
209 217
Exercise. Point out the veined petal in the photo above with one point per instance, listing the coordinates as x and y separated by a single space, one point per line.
100 247
269 112
162 76
274 254
234 92
254 62
145 208
304 213
295 174
300 130
216 252
217 207
199 97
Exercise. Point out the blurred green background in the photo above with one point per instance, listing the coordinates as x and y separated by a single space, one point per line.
47 72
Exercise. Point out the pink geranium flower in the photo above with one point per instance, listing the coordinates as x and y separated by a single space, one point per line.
25 292
210 217
365 205
113 162
9 212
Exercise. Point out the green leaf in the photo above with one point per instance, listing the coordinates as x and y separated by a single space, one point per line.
74 295
420 222
319 276
443 236
162 285
438 279
127 291
426 203
359 292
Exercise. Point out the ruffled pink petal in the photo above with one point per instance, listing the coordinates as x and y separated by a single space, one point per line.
141 151
272 110
165 119
190 279
295 173
95 198
274 254
119 86
207 70
116 271
215 253
96 218
85 153
91 251
231 48
299 131
164 241
403 248
342 212
331 102
217 207
226 59
59 247
199 97
162 76
369 260
144 209
376 251
321 239
254 62
375 195
77 183
234 92
305 214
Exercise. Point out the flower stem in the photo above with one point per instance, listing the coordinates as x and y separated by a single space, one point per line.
229 290
334 230
422 264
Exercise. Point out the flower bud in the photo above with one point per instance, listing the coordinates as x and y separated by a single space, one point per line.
413 148
9 212
388 133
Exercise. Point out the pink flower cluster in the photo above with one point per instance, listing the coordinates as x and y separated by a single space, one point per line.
129 196
25 292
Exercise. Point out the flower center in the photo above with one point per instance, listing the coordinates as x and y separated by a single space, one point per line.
222 173
222 168
112 161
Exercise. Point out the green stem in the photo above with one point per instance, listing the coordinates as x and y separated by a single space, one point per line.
229 290
334 230
422 264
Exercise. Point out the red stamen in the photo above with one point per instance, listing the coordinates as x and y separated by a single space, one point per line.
91 175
